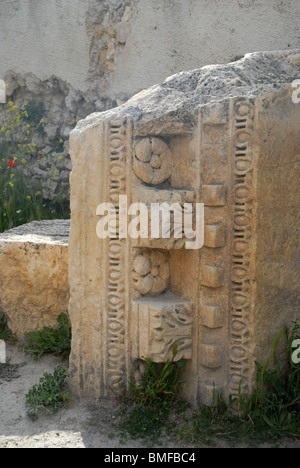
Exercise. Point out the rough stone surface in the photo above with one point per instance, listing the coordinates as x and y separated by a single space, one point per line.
132 44
62 106
84 56
230 137
34 287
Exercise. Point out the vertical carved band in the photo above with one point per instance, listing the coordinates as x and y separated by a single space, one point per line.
117 148
214 129
243 232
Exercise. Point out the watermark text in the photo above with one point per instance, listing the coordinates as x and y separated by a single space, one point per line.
159 221
2 92
296 353
296 93
2 352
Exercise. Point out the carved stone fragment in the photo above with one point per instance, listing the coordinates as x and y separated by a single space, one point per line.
152 161
160 323
34 288
151 272
226 137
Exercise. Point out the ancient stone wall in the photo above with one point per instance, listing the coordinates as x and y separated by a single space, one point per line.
81 56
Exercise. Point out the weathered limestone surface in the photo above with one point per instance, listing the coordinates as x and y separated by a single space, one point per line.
122 47
34 286
226 136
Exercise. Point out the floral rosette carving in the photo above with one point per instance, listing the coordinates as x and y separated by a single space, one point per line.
152 161
151 272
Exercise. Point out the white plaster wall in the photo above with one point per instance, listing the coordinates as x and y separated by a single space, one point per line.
50 37
169 36
45 37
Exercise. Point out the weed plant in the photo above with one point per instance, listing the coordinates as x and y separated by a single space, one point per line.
271 413
50 340
151 401
49 395
20 156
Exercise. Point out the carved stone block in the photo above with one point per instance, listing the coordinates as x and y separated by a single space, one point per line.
211 356
168 236
209 393
212 316
34 288
212 276
151 272
159 323
214 195
214 236
224 137
152 161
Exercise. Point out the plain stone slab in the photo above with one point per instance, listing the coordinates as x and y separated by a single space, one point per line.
38 232
34 286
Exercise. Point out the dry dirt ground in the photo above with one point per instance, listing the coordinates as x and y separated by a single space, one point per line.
84 424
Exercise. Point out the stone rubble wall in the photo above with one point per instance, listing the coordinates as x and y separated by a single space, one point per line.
63 108
85 56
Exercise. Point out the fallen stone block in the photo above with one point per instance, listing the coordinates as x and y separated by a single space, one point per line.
34 286
226 137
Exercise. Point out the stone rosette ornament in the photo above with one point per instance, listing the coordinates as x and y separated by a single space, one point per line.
151 272
152 161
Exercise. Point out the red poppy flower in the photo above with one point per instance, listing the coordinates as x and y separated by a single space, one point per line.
12 164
